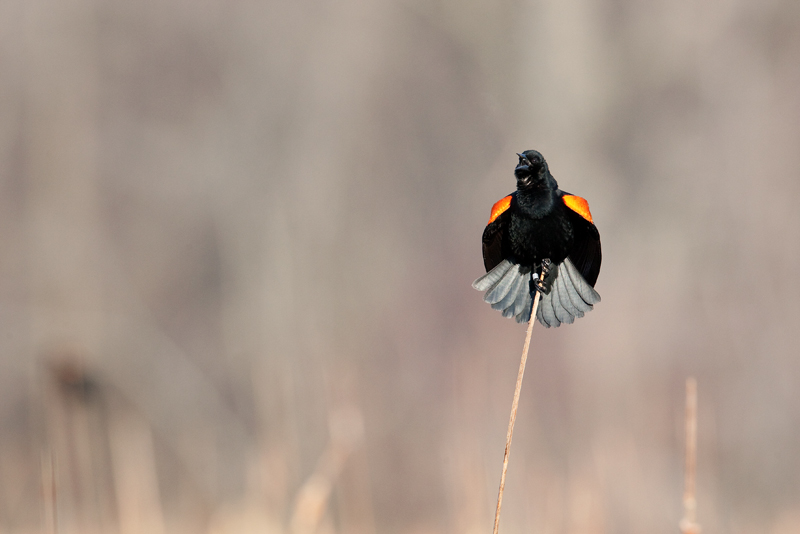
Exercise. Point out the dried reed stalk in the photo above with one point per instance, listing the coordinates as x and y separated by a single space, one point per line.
347 433
688 524
49 493
514 405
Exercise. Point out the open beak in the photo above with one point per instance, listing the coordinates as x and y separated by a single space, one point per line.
523 164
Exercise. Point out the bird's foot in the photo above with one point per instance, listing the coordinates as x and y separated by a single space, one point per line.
546 264
541 284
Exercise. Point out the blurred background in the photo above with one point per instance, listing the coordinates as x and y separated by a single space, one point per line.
237 241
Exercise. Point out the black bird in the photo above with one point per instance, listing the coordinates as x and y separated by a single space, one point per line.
538 227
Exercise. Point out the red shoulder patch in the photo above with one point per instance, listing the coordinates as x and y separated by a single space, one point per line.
579 206
499 207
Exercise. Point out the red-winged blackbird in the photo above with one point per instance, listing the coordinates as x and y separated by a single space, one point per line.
537 227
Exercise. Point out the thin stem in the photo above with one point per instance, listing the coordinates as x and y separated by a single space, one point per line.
689 523
514 405
49 493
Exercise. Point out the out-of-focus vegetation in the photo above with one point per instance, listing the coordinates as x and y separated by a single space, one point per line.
238 240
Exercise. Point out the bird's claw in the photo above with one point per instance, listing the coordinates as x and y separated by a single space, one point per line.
540 286
546 263
538 283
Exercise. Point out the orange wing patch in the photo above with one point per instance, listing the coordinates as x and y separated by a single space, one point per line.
578 205
499 207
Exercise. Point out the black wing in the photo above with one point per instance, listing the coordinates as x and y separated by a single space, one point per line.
494 236
586 254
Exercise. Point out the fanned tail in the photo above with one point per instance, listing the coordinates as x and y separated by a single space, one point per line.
508 289
570 297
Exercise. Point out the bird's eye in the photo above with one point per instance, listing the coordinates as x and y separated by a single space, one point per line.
536 160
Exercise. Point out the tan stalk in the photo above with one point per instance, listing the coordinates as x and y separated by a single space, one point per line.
688 524
49 493
514 405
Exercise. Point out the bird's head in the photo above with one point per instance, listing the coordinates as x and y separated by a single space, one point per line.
532 172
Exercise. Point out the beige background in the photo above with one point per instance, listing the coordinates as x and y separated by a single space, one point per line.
237 240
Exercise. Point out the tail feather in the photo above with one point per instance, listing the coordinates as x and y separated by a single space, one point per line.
525 315
503 286
562 313
513 291
566 301
523 303
575 297
570 297
490 279
545 313
587 292
508 289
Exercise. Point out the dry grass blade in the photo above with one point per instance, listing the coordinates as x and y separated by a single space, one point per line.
514 405
688 524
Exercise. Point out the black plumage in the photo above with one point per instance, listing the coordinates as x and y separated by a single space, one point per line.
535 224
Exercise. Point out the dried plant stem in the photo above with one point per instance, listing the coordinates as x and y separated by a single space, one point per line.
514 405
49 493
688 524
347 432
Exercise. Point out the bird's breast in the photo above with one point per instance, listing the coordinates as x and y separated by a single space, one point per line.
533 240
